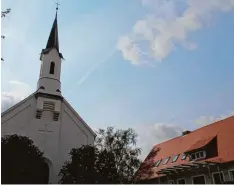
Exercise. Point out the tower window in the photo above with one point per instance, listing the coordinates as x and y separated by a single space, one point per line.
52 65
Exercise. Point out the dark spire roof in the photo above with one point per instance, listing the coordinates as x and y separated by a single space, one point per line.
53 41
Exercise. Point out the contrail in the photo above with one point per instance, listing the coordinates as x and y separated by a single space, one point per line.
93 69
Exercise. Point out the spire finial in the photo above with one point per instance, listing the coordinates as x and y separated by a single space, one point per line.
57 5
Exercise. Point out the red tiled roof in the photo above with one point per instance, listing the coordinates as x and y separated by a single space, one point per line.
224 130
200 143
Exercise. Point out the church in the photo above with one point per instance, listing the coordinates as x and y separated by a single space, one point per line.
46 117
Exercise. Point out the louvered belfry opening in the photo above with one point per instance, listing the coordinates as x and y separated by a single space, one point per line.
48 106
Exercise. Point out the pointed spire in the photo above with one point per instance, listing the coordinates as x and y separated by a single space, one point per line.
53 41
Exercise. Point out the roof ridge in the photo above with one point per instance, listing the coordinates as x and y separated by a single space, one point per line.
208 125
80 118
216 122
17 104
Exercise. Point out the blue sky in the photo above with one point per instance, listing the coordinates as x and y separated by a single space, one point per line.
157 66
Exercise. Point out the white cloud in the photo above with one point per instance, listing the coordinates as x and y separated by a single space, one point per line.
165 27
18 91
150 135
129 50
90 72
205 120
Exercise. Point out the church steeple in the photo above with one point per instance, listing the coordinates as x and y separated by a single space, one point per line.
53 41
49 80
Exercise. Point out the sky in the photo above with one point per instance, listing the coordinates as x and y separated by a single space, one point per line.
158 66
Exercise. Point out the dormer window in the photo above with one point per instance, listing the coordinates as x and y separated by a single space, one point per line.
184 157
52 65
201 154
175 158
166 160
158 163
198 155
192 156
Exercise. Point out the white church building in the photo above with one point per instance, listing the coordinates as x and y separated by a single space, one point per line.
46 117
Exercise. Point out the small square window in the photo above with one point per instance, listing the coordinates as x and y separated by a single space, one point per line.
192 156
231 173
202 154
199 179
166 160
218 178
158 163
171 182
175 158
181 181
184 157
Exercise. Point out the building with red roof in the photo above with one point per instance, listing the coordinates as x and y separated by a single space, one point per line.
203 156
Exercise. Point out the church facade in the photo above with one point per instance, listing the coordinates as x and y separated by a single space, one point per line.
46 117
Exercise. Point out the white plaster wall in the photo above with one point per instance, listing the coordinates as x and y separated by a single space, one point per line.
51 82
22 121
51 85
66 133
17 120
73 134
51 56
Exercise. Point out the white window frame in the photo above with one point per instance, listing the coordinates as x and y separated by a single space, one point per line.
230 177
177 157
166 160
171 181
192 157
181 179
157 162
195 153
198 176
186 155
217 173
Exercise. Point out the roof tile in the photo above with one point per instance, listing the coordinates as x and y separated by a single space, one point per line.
223 129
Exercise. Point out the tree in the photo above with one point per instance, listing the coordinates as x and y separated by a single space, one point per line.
88 165
22 161
113 159
3 14
122 144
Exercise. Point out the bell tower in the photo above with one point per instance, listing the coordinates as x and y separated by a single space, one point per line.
51 58
49 86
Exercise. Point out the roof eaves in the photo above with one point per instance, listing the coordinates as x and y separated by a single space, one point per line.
17 104
85 124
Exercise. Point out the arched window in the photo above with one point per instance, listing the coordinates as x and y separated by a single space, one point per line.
52 65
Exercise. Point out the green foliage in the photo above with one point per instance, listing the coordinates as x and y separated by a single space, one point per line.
88 165
113 159
22 162
122 144
3 14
